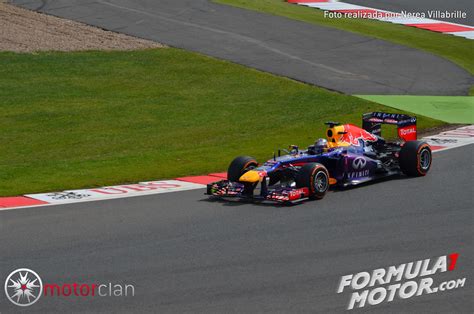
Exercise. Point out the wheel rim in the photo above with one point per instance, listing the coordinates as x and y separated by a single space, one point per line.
321 182
425 159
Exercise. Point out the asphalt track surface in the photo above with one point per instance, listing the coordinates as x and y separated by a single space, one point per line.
424 6
323 56
185 253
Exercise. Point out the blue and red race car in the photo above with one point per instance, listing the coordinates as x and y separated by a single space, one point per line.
349 155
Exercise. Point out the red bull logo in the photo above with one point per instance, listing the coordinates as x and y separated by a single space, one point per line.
352 135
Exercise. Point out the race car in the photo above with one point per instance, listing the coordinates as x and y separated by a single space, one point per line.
348 156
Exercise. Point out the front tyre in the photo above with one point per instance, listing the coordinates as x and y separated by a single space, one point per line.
239 166
415 158
315 177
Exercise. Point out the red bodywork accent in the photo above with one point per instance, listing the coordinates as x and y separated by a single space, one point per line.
262 173
354 134
407 133
297 194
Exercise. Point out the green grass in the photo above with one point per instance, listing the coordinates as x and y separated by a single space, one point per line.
458 50
72 120
451 109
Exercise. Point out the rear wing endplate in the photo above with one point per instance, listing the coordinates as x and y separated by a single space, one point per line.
406 125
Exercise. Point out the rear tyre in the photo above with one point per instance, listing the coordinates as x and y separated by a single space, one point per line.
315 177
415 158
239 166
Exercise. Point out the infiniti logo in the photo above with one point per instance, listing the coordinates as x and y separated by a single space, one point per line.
23 287
359 163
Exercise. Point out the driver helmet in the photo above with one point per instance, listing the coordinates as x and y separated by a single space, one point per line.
320 145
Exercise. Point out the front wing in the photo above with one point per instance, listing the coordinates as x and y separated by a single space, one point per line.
276 194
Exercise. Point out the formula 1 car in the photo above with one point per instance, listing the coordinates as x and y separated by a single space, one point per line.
350 155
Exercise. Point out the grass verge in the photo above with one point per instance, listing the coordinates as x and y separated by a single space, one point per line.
458 50
451 109
82 119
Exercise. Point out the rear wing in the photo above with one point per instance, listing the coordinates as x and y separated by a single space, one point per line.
406 125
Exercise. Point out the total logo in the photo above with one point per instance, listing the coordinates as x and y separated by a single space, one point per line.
407 131
24 287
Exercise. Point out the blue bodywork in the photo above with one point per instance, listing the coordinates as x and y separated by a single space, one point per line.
348 165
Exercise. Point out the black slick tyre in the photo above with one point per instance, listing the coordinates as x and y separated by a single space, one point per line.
239 166
415 158
315 177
